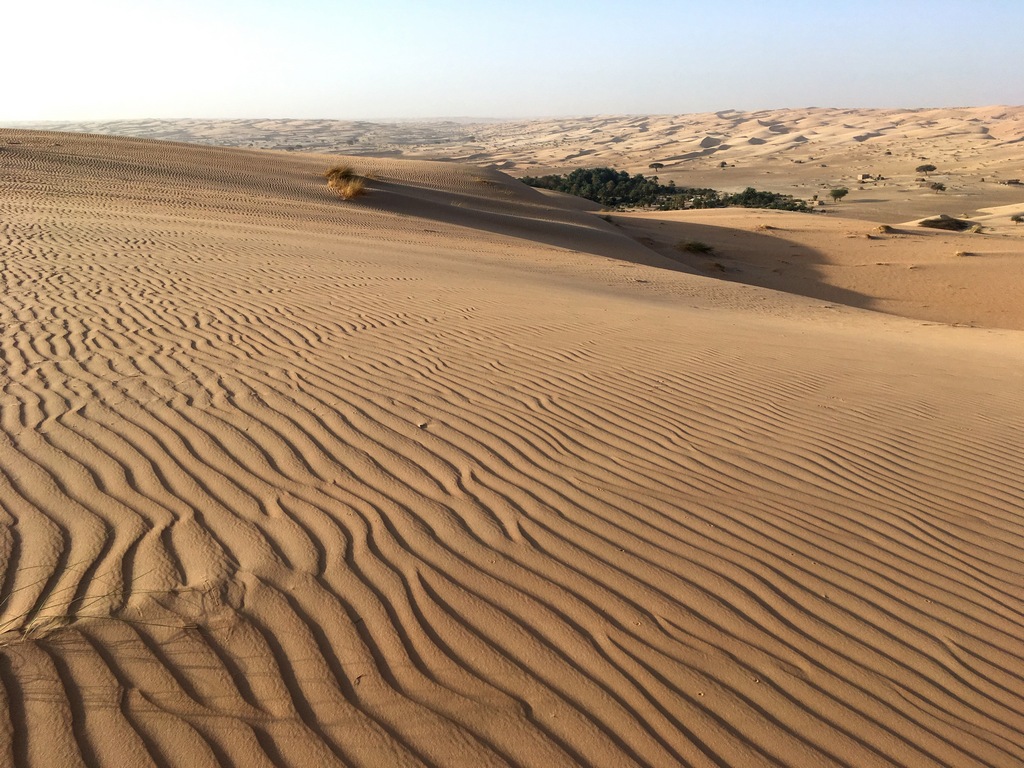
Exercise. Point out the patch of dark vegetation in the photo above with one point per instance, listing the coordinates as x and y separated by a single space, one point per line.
947 223
694 246
617 189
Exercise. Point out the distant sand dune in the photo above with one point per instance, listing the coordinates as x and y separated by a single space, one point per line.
802 152
453 475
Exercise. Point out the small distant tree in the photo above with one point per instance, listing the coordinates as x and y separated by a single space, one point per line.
839 193
1017 218
722 164
925 169
938 186
656 166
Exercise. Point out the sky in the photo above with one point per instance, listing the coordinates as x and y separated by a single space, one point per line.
384 59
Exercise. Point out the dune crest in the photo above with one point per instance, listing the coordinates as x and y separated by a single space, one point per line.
451 474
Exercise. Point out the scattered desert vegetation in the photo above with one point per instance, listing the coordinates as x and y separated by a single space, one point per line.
63 609
617 189
345 182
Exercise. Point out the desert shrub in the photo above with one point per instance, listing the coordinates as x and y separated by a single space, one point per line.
947 223
938 186
339 172
924 168
349 188
694 246
344 181
885 229
1017 218
838 193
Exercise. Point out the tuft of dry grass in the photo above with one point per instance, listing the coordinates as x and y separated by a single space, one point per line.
55 611
345 182
694 246
349 188
339 173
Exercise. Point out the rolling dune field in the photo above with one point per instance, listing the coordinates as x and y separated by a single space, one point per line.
803 152
458 473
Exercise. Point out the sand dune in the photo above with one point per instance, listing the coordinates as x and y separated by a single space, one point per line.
959 278
802 152
456 475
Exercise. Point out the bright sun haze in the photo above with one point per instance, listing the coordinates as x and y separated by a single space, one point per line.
115 59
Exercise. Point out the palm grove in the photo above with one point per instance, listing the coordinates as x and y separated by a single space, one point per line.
617 189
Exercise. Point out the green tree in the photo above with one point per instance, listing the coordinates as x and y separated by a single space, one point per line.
656 166
617 189
839 193
925 168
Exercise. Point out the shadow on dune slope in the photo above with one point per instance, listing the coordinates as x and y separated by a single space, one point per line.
537 222
745 257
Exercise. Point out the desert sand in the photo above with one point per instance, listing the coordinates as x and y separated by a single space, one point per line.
459 473
803 152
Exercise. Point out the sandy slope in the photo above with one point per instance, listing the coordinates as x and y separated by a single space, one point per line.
453 475
803 152
961 278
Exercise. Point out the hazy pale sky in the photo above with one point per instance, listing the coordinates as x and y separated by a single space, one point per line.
114 59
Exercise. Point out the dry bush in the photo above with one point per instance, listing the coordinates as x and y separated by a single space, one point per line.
694 246
345 182
339 173
58 609
349 188
885 229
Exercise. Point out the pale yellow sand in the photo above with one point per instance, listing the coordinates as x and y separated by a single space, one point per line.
803 152
453 475
951 277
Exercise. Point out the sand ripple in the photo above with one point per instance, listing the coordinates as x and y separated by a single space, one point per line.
290 482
